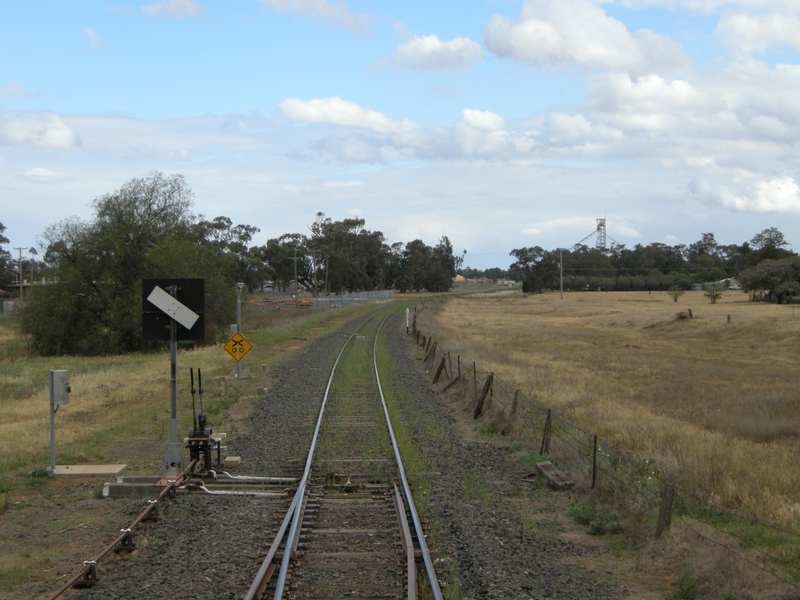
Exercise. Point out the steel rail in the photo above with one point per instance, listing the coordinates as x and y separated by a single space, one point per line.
426 557
88 570
295 512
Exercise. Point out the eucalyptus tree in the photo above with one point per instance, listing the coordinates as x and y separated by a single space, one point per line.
143 229
6 273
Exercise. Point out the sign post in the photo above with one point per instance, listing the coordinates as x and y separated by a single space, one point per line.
59 395
239 287
180 316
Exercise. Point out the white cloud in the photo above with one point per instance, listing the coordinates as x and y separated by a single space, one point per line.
709 6
477 134
482 119
647 103
177 9
45 130
762 126
14 90
94 40
341 112
777 195
733 127
429 53
571 130
43 175
354 212
336 12
181 154
553 33
338 185
758 33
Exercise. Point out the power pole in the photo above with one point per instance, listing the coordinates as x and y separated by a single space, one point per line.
239 287
295 259
314 259
326 276
21 289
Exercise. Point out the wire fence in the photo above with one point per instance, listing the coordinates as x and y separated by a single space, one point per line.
9 305
355 297
634 483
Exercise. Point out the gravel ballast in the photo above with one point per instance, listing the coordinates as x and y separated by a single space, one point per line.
211 547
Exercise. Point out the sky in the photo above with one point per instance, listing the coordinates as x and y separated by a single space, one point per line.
498 123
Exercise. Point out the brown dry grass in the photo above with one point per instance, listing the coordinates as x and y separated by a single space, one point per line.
716 403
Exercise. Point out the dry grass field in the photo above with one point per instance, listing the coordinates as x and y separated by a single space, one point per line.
713 402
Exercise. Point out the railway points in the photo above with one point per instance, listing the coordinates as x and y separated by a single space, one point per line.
350 528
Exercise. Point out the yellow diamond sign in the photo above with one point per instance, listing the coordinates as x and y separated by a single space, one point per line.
237 346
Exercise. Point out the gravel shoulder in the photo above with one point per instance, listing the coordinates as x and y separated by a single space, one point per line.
479 495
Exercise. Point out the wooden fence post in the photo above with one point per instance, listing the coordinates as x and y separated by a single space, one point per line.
450 370
439 370
451 384
430 339
474 380
510 421
665 514
487 388
545 449
459 366
431 353
594 462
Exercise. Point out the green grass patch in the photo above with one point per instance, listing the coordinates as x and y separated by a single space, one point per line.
13 577
404 422
529 458
596 520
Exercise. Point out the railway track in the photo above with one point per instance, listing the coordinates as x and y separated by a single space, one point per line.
352 530
210 545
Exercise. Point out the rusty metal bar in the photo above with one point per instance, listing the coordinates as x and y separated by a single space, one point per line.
268 566
88 575
408 544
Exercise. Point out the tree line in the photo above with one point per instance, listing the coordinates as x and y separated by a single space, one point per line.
92 303
655 266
